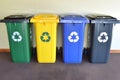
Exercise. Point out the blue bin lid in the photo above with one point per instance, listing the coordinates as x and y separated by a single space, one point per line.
73 19
102 19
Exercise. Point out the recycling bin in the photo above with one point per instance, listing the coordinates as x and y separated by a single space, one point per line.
100 34
73 37
46 31
18 29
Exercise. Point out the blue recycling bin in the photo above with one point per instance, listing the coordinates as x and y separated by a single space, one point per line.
73 37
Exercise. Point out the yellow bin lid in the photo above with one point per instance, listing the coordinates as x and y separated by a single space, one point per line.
45 18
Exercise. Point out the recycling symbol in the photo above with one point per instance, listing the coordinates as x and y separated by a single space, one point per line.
45 37
103 37
73 37
16 36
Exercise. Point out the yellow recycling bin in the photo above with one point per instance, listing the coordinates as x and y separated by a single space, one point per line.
46 31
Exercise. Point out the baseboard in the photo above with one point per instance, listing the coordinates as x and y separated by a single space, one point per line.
114 51
5 50
8 50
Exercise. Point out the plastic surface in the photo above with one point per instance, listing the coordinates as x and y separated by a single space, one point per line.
19 40
73 38
45 18
73 19
102 19
100 40
46 26
18 29
17 18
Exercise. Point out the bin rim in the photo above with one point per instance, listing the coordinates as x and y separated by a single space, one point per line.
73 19
14 20
45 18
17 18
102 19
105 21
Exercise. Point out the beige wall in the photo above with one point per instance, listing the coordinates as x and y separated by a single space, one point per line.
83 7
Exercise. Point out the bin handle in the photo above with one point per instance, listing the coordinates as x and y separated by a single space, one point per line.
2 20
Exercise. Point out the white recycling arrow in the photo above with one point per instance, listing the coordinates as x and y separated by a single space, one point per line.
100 37
16 33
73 34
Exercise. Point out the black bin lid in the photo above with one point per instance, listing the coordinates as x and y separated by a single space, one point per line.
102 19
17 18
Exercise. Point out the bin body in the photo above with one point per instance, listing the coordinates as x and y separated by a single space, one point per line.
18 29
100 38
73 38
46 32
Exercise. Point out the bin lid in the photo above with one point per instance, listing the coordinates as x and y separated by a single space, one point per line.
45 18
102 19
73 19
17 18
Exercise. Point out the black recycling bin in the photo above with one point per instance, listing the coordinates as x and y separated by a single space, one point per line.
100 35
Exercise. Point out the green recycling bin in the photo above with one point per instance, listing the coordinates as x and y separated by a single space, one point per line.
18 29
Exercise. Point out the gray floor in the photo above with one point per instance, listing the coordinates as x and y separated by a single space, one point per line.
59 70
